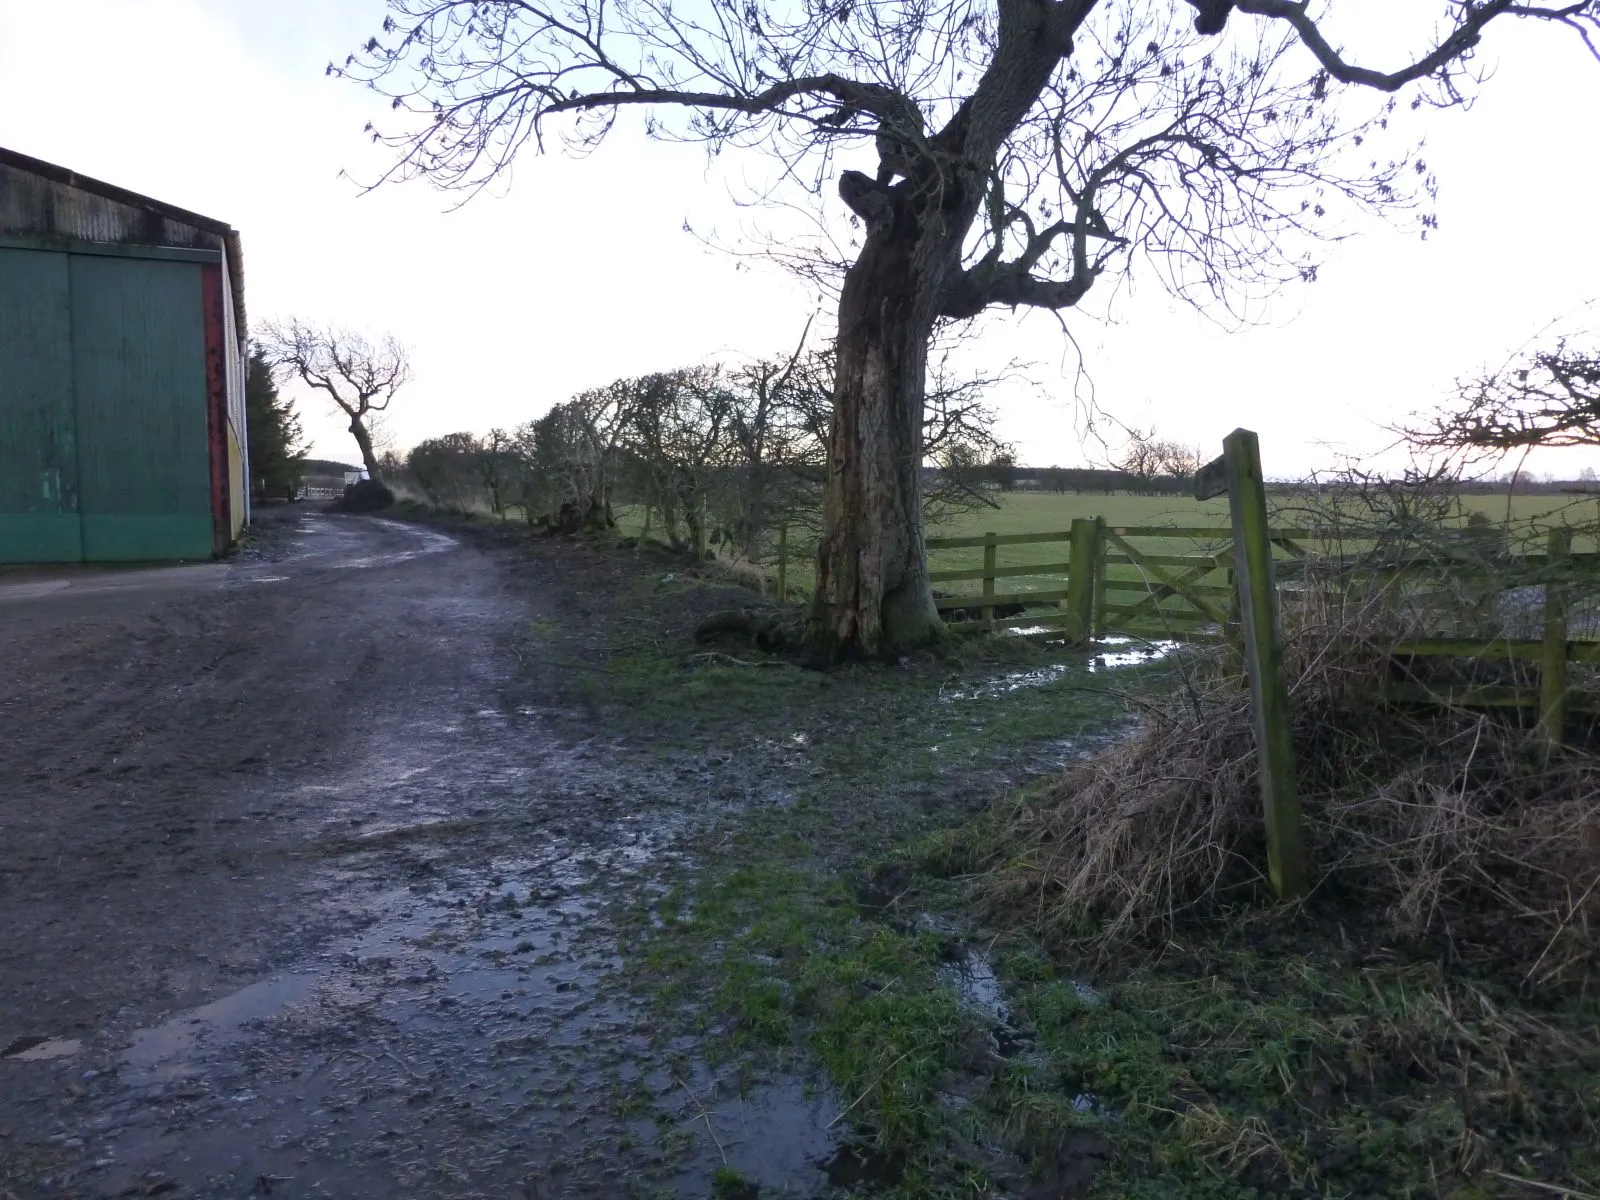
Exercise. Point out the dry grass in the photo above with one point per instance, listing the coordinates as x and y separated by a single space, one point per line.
1461 830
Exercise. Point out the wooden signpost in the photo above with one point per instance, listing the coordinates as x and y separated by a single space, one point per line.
1238 472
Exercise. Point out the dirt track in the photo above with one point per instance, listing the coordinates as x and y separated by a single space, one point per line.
305 891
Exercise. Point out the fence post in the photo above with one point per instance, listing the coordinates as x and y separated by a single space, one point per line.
988 574
1553 657
783 563
1080 580
1099 576
1287 866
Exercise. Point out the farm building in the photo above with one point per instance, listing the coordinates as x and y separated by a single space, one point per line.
122 343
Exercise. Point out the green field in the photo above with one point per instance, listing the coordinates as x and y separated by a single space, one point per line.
1025 512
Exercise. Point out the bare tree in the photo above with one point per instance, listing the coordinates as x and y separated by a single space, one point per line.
1178 461
1024 150
577 454
1550 397
1141 459
497 469
442 468
1151 461
358 375
778 451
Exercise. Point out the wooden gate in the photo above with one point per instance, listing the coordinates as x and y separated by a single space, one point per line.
1111 579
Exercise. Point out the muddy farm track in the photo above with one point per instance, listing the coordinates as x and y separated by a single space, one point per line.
292 855
314 864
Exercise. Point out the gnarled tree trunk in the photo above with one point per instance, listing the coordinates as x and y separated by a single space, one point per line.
872 597
369 459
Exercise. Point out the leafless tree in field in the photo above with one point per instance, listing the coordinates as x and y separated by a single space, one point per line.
1020 152
358 375
1148 458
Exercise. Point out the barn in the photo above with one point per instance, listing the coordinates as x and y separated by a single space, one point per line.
122 347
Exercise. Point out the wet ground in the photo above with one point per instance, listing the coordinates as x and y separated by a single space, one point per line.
333 870
306 896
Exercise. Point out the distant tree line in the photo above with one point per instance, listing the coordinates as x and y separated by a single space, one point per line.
715 456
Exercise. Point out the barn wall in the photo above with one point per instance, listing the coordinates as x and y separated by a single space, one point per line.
122 342
105 442
45 200
38 428
139 379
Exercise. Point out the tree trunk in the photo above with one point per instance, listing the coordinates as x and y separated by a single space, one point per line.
873 598
369 460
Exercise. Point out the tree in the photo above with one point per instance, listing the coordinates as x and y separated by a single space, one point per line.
1550 397
1002 470
272 429
497 468
1025 149
1141 460
445 469
1155 464
359 376
1179 462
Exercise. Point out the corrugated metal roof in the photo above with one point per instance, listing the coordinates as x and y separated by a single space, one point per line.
37 197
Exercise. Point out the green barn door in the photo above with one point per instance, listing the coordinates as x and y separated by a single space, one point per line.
38 458
138 342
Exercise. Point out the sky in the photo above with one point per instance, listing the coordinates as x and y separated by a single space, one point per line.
579 271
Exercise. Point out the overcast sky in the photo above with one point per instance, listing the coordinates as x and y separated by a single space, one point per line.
580 271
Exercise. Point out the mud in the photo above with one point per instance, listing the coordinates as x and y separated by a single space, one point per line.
309 877
325 869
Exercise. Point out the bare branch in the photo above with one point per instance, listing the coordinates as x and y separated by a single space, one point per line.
1549 398
1583 16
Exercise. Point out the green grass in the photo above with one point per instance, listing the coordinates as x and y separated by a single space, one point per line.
1264 1061
1268 1058
1049 512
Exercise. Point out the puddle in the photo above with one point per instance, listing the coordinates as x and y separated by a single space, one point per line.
42 1049
474 1021
973 977
980 991
782 1136
1137 653
1003 685
167 1050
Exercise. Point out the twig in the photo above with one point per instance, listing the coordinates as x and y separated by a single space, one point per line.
710 1128
1554 1188
711 656
1561 928
868 1092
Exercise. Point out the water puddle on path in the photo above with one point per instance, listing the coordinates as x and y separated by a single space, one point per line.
1125 652
476 1037
1129 653
168 1050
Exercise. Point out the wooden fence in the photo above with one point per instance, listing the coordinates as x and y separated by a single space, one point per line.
1109 579
1106 582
